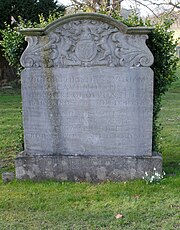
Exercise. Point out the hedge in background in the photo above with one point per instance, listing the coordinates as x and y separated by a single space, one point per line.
163 46
13 42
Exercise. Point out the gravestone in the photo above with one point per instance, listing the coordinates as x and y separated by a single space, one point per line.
87 91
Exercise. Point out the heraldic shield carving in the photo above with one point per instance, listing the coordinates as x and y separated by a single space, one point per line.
87 101
86 48
85 40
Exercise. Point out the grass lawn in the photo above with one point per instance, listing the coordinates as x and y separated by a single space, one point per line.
10 127
64 205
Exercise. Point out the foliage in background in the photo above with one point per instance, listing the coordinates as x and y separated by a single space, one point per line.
13 42
10 10
160 42
163 46
16 14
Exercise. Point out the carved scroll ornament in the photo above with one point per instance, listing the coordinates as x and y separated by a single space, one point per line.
86 43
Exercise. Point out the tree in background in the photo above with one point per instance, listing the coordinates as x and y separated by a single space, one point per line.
152 6
27 10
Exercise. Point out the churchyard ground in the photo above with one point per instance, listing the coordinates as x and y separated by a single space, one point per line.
65 205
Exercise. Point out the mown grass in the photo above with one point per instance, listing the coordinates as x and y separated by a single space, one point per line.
170 134
10 127
65 205
55 205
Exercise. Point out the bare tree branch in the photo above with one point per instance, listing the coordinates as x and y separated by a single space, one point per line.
177 5
145 5
76 2
167 6
158 4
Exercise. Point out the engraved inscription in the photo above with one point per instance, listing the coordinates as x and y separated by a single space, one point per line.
103 114
87 88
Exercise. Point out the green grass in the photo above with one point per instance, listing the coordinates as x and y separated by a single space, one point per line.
55 205
10 127
58 205
170 135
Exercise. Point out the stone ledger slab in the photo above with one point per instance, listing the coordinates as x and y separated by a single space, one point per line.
87 91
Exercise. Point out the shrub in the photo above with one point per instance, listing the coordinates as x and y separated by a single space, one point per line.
13 42
162 45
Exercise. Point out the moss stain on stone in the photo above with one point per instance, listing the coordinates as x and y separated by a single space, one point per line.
52 97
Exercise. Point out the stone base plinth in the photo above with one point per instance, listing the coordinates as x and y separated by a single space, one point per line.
86 168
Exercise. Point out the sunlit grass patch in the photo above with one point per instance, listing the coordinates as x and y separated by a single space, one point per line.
65 205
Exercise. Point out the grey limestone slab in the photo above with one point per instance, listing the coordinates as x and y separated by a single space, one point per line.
88 111
86 168
87 91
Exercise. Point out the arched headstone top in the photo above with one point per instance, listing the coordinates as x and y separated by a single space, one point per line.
86 16
87 101
86 39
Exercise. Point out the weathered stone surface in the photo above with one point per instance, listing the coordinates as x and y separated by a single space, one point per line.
7 177
86 168
88 111
86 40
87 92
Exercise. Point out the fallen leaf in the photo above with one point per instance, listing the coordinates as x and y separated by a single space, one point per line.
136 197
119 216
